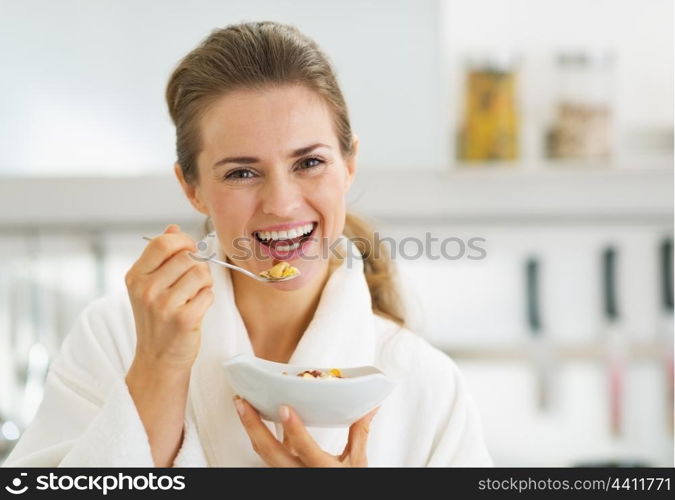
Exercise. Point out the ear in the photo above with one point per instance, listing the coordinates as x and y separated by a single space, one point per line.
351 161
193 193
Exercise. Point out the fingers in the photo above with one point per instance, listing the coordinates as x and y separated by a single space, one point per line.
357 443
192 281
178 278
297 439
263 441
161 248
300 440
197 305
287 444
173 269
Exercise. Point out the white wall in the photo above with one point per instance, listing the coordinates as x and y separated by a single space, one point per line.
83 81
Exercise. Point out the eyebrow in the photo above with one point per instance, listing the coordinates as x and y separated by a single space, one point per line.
247 160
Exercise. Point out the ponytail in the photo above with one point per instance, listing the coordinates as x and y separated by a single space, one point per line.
378 268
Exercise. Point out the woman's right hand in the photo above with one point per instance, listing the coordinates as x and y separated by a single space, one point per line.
170 293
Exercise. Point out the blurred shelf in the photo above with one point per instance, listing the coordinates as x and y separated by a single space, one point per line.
625 165
561 352
550 193
91 203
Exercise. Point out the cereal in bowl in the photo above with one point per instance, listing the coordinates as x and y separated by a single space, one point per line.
332 373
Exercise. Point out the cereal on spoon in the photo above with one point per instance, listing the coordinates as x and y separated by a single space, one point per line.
281 270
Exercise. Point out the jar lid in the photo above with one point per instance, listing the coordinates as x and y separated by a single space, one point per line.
492 60
588 57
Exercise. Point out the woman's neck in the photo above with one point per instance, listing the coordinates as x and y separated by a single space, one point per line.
276 319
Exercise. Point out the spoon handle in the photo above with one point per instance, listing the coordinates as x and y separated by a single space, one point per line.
220 262
230 266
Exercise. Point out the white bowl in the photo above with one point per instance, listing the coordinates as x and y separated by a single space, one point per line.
320 402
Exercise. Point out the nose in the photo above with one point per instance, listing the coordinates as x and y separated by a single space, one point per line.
281 197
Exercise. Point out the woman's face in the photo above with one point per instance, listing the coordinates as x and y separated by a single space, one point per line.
271 162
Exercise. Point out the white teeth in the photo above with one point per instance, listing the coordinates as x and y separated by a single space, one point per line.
286 248
285 235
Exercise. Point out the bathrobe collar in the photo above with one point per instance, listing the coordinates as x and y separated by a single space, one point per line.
340 334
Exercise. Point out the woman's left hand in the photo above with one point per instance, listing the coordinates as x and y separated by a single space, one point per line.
299 448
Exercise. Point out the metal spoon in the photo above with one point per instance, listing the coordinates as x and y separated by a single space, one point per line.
248 273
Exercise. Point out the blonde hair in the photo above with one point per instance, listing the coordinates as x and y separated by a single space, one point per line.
255 56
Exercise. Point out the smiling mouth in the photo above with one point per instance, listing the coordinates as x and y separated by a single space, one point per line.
287 244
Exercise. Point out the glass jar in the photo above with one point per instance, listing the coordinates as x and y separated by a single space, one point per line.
488 129
582 127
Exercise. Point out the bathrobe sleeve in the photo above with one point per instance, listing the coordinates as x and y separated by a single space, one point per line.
87 417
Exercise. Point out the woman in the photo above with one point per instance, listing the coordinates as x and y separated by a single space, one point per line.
264 145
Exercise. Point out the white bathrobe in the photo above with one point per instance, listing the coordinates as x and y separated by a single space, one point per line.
88 419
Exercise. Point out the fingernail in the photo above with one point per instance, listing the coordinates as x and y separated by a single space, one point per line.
239 405
284 413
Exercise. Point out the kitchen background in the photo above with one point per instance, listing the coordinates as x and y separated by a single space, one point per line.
544 127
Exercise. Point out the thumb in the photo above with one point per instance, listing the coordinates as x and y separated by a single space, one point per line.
172 228
369 416
357 440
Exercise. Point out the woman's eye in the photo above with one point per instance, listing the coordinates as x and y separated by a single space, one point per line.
308 163
241 174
